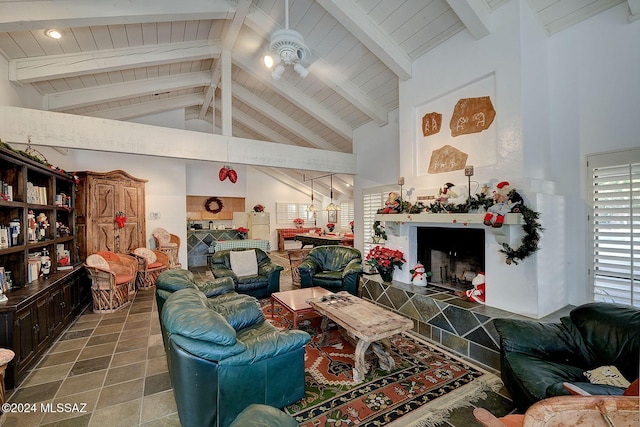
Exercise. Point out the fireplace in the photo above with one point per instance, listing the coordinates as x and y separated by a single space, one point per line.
454 256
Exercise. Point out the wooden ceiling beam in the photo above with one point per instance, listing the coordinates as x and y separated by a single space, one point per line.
474 14
351 16
29 70
36 15
60 101
279 117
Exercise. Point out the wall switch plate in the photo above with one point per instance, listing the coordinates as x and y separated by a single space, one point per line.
154 215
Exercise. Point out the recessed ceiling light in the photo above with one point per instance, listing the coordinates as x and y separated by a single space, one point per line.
54 34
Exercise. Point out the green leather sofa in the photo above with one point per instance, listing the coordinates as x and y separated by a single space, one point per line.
261 285
223 356
170 281
333 267
536 358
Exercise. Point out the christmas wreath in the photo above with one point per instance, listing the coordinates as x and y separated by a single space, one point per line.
213 201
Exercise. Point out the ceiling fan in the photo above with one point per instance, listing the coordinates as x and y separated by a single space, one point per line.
288 48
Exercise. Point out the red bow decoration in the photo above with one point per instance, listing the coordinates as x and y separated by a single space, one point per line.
120 219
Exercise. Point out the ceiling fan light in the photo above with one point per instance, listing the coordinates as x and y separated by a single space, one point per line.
268 61
301 70
277 72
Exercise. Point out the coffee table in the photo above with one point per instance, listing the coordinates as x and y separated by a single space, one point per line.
369 323
295 301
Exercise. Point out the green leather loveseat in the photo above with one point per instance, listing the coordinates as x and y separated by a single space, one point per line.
333 267
536 358
223 356
260 285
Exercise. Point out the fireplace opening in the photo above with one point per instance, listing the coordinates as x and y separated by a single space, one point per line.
454 256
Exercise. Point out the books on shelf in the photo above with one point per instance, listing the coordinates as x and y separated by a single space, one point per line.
36 194
34 267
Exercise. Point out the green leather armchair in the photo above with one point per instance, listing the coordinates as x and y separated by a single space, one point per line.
536 358
261 285
224 356
335 268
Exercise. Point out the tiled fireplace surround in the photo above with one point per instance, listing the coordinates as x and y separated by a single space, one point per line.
438 314
463 326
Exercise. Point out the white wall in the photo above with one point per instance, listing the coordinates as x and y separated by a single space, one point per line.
594 89
558 98
378 163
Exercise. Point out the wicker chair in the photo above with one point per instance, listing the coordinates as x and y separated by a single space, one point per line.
151 262
127 260
110 281
169 244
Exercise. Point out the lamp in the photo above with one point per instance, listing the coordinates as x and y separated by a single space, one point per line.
331 206
312 207
289 48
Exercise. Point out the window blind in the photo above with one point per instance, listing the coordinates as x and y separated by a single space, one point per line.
371 202
286 212
615 227
346 215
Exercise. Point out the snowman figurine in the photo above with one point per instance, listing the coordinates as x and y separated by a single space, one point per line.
419 275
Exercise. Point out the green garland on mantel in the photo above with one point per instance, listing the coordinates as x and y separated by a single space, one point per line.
529 243
531 227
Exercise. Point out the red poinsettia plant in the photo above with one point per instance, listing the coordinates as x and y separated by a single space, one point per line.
258 208
243 230
381 257
298 221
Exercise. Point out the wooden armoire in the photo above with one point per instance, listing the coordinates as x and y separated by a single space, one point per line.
101 197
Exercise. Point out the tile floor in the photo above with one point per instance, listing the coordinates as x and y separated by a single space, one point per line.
110 368
113 368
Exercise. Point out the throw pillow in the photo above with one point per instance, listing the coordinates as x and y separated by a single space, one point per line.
162 235
607 375
244 263
147 254
97 261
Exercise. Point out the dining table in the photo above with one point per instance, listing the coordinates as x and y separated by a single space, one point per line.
324 239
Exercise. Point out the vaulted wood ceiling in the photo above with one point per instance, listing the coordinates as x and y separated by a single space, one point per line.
123 59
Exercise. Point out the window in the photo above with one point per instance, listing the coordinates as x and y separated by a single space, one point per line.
286 212
614 226
345 215
371 202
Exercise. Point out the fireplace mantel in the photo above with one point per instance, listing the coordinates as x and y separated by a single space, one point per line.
446 218
502 234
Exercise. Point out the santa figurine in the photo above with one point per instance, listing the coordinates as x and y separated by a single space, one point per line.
505 199
419 275
477 293
392 205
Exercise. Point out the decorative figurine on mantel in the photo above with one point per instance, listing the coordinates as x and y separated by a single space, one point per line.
506 200
393 205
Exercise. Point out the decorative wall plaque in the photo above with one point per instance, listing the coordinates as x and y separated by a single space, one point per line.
431 123
472 115
447 159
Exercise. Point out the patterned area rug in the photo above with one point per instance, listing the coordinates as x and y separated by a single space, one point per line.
425 385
